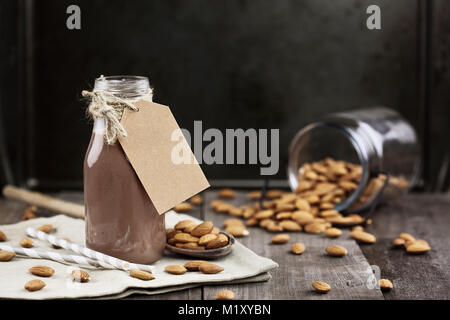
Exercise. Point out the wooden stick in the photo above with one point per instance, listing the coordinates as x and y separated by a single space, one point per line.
44 201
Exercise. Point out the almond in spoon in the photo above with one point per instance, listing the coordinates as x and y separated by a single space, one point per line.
202 229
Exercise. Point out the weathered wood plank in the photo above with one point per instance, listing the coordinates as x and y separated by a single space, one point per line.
293 278
415 277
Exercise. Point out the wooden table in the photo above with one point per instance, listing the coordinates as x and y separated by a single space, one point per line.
426 216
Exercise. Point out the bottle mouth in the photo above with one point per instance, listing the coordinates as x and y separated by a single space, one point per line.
125 86
296 159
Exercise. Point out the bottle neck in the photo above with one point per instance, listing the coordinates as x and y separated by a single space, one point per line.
125 87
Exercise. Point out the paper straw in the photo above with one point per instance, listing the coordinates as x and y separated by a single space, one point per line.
95 255
55 256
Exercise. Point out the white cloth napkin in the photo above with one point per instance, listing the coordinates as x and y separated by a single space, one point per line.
241 265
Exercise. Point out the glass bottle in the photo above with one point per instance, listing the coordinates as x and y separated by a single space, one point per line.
121 220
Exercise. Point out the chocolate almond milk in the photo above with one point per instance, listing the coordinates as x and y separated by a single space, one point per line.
121 220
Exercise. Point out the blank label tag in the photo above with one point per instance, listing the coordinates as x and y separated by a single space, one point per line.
148 147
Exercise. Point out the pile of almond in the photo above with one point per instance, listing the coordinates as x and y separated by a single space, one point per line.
410 244
187 234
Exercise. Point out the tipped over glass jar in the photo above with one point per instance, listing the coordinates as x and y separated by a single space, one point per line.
357 158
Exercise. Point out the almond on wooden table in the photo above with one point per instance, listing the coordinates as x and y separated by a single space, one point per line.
237 231
321 286
6 255
385 284
225 295
226 193
26 243
80 276
42 271
47 228
3 236
406 236
363 237
333 232
175 269
298 248
398 243
336 251
196 200
418 247
34 285
183 207
141 274
289 225
233 222
281 238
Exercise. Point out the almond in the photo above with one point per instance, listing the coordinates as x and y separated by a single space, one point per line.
225 295
264 223
333 232
34 285
329 213
398 243
298 248
357 228
207 238
251 222
171 233
42 271
274 228
274 193
219 242
183 207
302 204
202 229
418 248
141 274
302 217
406 237
175 269
233 222
210 268
315 227
237 231
29 213
326 206
26 243
47 228
58 247
184 224
215 203
264 214
281 238
6 255
194 265
2 236
363 237
321 286
254 195
345 221
284 215
196 200
235 212
289 225
185 237
190 246
313 199
80 276
336 251
215 230
385 284
226 193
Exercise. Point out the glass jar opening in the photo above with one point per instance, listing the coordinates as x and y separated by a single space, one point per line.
127 86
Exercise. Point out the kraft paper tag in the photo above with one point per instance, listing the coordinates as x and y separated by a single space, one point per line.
149 146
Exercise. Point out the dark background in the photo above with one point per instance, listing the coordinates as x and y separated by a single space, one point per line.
232 64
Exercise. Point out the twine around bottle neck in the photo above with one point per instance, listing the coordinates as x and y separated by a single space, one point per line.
110 107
